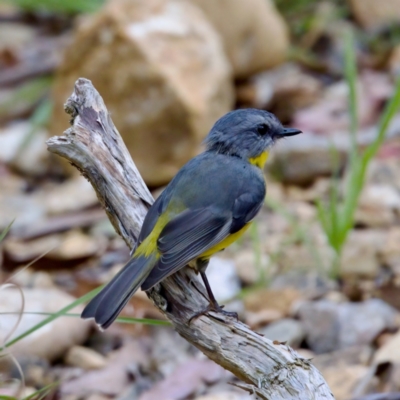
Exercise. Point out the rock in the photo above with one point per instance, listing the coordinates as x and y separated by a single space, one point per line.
271 299
355 355
36 371
390 252
22 251
69 246
372 14
111 380
262 317
27 277
161 69
222 276
76 244
360 254
23 148
331 113
302 159
389 352
52 340
320 189
286 330
384 171
286 88
254 34
85 358
310 285
62 198
377 206
330 326
14 36
246 267
28 209
343 381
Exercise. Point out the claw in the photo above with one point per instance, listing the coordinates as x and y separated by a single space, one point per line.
216 308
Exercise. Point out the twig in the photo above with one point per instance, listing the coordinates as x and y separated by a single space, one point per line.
94 146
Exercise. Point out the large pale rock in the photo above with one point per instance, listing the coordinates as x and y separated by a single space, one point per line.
330 326
162 71
373 14
254 34
52 340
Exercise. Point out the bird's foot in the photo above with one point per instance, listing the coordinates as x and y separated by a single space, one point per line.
216 308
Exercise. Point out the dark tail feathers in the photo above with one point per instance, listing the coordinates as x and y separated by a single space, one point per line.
106 306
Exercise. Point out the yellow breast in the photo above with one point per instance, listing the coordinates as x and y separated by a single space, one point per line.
225 243
260 160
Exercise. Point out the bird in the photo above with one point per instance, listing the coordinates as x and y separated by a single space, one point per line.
208 205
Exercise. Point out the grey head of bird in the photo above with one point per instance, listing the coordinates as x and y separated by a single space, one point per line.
246 133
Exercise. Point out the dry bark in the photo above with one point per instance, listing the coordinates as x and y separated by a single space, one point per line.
268 369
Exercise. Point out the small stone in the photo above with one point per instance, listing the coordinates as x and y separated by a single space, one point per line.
246 266
270 299
287 88
76 244
85 358
22 150
344 380
360 254
354 355
310 285
301 160
52 340
389 352
223 279
390 252
263 317
373 15
377 206
62 198
330 326
27 277
286 330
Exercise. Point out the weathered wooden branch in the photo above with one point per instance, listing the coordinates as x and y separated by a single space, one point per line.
268 369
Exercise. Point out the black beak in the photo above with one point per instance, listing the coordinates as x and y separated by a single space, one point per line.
290 132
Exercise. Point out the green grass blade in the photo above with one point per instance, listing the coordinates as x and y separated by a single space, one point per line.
39 119
41 393
123 320
59 6
390 110
351 77
6 230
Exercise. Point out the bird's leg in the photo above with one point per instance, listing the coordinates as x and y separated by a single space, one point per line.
201 266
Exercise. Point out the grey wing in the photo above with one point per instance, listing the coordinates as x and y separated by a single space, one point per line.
246 207
186 237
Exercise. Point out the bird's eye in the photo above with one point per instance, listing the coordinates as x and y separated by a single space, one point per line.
262 129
